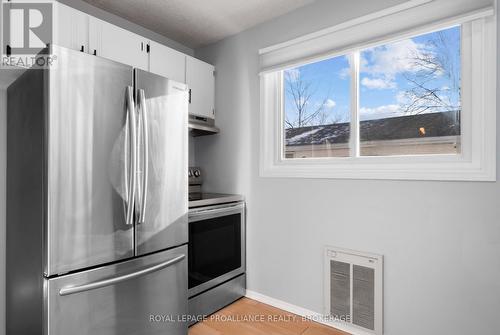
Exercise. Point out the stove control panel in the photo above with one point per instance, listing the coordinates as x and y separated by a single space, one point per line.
195 177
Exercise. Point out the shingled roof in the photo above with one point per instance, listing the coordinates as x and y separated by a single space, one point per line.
394 128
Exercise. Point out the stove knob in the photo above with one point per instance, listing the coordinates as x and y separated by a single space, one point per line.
197 173
190 173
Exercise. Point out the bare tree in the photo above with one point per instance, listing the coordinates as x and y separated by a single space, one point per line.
327 118
424 94
306 111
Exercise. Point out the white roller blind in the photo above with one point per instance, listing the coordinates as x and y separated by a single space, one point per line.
369 29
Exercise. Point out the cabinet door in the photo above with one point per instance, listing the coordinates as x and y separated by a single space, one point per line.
167 62
112 42
200 79
71 28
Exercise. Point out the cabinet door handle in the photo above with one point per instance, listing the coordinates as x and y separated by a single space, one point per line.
82 49
189 95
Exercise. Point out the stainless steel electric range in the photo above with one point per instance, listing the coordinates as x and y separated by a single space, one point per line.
216 257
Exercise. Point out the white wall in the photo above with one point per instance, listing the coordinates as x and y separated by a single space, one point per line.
3 143
441 240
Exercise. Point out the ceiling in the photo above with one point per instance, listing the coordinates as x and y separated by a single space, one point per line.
196 23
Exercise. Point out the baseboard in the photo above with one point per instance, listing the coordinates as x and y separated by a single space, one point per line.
303 312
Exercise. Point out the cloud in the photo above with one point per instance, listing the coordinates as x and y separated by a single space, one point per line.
329 103
378 83
293 74
345 73
403 98
385 62
392 59
380 112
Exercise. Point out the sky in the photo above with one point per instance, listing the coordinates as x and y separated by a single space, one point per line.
387 76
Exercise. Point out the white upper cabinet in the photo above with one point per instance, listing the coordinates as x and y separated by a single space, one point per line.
112 42
167 62
71 28
79 31
201 82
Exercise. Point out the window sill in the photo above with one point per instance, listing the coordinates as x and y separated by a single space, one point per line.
364 169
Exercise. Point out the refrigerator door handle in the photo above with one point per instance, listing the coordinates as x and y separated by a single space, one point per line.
132 181
112 281
145 156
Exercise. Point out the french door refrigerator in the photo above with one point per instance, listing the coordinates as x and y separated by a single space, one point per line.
96 200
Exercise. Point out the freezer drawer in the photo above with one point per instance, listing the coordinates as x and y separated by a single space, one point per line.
144 296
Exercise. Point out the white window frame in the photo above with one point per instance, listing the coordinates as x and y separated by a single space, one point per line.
477 160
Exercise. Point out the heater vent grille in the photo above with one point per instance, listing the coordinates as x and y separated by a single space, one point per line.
363 297
353 288
340 288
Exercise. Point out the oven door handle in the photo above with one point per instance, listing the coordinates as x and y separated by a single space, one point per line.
215 210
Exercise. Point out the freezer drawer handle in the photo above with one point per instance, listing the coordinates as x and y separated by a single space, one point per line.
107 282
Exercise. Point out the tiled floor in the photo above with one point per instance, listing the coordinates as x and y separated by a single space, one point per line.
247 316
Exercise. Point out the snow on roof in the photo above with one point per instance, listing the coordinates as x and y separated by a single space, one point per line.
296 139
401 127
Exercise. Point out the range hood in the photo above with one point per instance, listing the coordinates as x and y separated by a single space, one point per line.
202 126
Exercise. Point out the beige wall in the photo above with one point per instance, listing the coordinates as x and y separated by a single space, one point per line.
377 148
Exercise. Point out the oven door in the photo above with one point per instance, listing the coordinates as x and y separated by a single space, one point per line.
216 245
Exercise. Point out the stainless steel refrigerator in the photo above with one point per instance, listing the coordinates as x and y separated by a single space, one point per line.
96 200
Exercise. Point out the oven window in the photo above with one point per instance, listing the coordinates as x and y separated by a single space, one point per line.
214 248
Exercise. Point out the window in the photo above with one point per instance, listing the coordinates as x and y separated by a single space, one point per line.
317 110
410 96
409 100
419 104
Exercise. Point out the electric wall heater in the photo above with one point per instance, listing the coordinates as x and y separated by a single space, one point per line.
354 289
